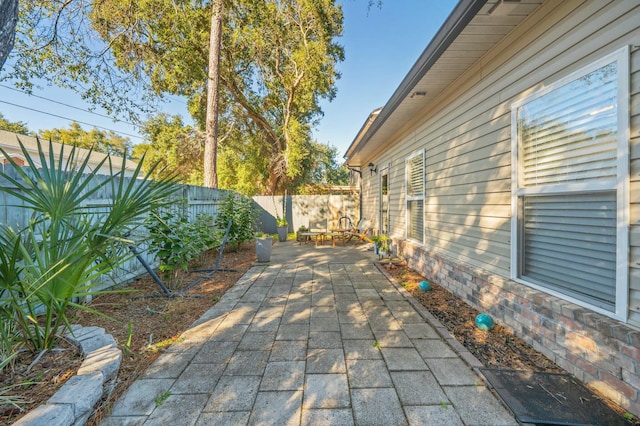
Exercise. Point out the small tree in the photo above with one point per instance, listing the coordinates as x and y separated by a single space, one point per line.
68 245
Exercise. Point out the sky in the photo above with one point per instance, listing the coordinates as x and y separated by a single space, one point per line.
381 45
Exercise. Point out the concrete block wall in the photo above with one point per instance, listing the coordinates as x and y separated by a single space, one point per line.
597 350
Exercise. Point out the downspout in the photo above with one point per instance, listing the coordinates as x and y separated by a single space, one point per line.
359 172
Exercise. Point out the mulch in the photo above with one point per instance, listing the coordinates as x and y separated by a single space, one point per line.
142 323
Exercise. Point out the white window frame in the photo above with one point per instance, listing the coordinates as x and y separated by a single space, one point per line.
419 197
620 184
384 171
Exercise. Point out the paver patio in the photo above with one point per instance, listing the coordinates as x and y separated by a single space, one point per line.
319 336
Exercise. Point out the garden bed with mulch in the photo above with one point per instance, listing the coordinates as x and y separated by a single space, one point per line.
498 348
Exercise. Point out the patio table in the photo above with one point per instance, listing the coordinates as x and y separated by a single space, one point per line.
307 236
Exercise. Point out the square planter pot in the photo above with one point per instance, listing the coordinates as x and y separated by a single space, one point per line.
263 249
282 233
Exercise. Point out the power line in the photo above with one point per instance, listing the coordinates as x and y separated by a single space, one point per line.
176 99
67 105
71 119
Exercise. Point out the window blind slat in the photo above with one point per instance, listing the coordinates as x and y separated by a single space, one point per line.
591 236
415 172
416 220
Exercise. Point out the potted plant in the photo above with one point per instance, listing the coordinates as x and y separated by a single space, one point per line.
264 243
381 244
385 250
283 228
299 236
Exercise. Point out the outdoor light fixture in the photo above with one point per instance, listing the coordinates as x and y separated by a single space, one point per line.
372 168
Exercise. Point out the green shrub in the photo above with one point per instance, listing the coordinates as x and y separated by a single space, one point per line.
176 242
243 215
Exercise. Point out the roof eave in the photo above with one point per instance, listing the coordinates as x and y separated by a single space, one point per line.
459 18
363 131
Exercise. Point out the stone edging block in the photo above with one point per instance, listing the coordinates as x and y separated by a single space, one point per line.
73 403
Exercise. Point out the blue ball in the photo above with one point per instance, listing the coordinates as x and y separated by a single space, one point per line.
424 286
484 322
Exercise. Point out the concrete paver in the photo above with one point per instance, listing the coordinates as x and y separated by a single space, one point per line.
433 415
277 408
198 378
477 406
319 336
326 391
418 388
368 373
343 417
321 361
179 409
377 406
283 376
234 393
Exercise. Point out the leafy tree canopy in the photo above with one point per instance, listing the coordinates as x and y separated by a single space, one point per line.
98 140
13 126
174 146
179 147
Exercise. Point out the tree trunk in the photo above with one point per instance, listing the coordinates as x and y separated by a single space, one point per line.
211 135
8 19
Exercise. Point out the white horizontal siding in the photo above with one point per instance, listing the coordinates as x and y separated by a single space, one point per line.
466 132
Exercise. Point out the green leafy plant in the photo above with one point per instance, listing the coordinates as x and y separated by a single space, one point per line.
160 399
239 209
9 340
176 242
382 241
207 234
16 401
281 221
70 244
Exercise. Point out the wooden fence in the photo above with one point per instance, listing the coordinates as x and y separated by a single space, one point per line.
305 209
196 200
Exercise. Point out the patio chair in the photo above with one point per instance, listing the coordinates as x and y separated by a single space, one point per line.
339 234
361 232
317 232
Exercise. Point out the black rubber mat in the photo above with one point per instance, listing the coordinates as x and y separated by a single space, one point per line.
550 399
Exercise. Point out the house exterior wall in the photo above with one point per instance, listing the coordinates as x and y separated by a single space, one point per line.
466 139
10 142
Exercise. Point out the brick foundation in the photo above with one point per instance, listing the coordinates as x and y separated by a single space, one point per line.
597 350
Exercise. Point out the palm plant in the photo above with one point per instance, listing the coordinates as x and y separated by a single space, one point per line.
69 243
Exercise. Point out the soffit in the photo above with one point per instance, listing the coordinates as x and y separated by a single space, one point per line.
467 35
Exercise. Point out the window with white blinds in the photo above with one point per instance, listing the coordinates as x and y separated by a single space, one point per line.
570 184
415 197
